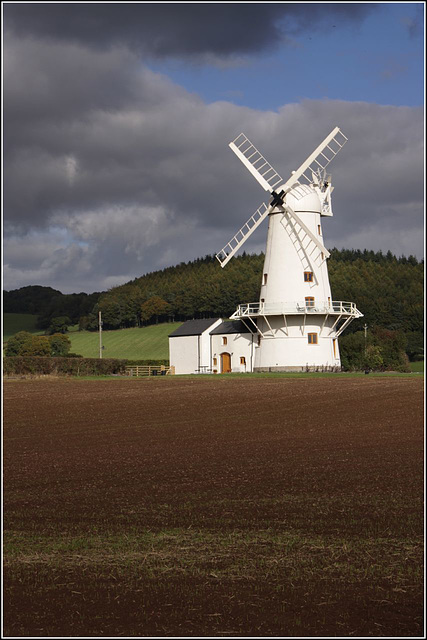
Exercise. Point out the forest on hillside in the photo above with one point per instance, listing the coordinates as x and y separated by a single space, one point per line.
49 304
389 291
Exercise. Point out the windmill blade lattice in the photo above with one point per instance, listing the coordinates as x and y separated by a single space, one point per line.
253 160
242 235
316 162
308 232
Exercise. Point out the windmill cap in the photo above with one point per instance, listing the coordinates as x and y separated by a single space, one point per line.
303 199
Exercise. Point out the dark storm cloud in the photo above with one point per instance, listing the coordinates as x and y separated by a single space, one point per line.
163 29
80 128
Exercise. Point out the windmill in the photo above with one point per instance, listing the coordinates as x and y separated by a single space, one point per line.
296 320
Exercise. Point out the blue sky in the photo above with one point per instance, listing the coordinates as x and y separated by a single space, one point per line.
379 60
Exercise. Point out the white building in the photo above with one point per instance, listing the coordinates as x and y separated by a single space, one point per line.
212 346
190 346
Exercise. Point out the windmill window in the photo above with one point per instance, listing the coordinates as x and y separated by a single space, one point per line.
308 276
309 302
215 361
265 278
242 360
319 231
312 338
224 340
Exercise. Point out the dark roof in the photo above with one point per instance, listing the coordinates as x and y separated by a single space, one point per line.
231 326
193 327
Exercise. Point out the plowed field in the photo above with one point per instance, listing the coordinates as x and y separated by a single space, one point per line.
215 507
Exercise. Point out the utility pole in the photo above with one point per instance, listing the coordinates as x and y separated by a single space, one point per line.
100 334
365 326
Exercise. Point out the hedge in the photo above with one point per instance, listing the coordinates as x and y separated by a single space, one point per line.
37 365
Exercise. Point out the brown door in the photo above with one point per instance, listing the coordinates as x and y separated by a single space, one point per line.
225 363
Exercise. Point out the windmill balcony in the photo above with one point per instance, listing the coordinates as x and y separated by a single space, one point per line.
337 308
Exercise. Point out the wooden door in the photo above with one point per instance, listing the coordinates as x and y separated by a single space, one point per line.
225 363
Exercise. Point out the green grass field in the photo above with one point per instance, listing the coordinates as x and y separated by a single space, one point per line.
143 343
136 343
417 367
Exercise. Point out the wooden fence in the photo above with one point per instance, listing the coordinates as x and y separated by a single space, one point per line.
149 370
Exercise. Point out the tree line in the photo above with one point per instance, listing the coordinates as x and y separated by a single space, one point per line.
54 310
388 290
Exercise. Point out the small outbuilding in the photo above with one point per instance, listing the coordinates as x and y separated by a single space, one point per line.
190 346
212 345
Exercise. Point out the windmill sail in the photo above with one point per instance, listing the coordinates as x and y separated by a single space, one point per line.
253 160
309 233
316 162
242 235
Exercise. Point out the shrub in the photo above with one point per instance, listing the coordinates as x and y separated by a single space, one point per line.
27 344
59 344
393 344
384 350
415 345
352 347
37 346
16 343
373 358
74 366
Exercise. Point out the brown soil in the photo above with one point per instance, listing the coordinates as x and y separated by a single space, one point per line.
332 464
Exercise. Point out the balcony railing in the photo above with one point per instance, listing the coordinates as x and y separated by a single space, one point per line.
296 308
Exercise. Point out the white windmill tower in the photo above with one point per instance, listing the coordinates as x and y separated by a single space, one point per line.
296 319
